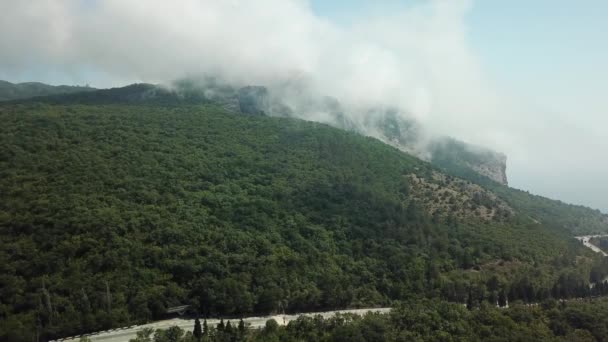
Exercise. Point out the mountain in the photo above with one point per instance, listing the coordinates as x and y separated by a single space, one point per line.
118 204
384 123
14 91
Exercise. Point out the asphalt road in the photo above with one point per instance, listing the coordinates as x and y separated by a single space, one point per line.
127 333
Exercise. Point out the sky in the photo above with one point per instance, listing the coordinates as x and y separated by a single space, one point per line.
526 78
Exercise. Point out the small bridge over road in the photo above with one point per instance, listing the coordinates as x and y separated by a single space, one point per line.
180 310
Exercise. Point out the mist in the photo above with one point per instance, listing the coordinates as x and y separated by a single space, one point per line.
416 58
406 59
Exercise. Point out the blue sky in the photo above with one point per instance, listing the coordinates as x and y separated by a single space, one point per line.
550 45
523 45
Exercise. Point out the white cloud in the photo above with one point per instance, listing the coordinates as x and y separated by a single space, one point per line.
416 58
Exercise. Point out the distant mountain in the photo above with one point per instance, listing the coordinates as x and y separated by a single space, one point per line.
14 91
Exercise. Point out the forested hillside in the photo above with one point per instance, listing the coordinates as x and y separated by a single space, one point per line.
109 214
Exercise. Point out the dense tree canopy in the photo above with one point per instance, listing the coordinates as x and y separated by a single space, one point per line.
110 214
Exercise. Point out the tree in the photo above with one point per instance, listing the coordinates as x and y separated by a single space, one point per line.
173 334
229 332
205 328
144 335
502 298
241 327
228 327
108 298
470 300
197 332
271 326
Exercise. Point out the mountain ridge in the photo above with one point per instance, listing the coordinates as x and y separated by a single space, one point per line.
386 124
15 91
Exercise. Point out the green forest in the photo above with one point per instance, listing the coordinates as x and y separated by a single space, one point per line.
112 213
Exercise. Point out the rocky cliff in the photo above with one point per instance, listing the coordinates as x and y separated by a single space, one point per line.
494 168
455 155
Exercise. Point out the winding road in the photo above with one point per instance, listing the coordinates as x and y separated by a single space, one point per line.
127 333
585 240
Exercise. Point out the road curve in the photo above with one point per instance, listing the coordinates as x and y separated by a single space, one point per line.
127 333
585 240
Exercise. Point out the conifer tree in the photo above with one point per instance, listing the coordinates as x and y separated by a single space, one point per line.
228 328
241 327
205 328
502 298
470 300
197 332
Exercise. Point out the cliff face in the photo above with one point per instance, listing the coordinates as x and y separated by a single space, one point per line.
458 156
494 168
444 152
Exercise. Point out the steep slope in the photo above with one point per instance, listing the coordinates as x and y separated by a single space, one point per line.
111 213
14 91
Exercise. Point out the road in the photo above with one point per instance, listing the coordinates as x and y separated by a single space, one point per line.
585 240
127 333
